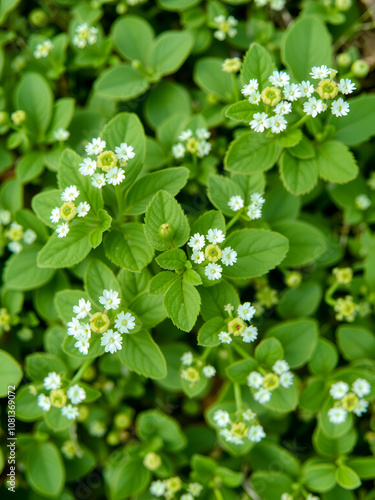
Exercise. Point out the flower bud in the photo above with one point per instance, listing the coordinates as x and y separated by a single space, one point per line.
38 18
271 96
236 326
113 438
58 398
122 421
152 461
4 118
121 8
166 231
212 253
107 160
344 60
68 211
83 414
360 68
18 117
343 5
327 89
99 322
293 279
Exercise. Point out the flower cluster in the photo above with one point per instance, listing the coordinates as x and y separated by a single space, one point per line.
235 432
85 34
195 145
68 210
348 400
15 233
274 4
265 384
111 339
225 27
58 397
212 253
169 487
346 309
237 326
107 161
43 49
282 94
231 65
254 210
192 368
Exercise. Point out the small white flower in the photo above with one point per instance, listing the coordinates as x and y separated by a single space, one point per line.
178 150
225 338
281 366
187 358
226 27
213 271
279 79
340 107
228 308
61 134
254 98
249 89
313 106
292 92
124 322
202 133
257 199
346 86
84 331
83 209
85 34
198 257
203 149
62 230
256 433
254 212
278 124
361 387
260 122
112 341
82 344
55 215
196 242
70 193
95 147
76 394
124 152
157 488
229 256
246 311
29 236
286 379
98 180
362 202
74 327
115 176
319 72
185 135
215 236
338 390
209 371
43 49
277 4
5 217
254 380
337 415
15 247
312 497
52 381
221 418
70 412
306 88
250 334
83 308
235 203
44 402
283 108
87 167
262 396
195 489
361 407
186 496
110 299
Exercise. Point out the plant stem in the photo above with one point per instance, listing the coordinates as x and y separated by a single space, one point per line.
218 494
206 352
235 87
328 295
238 397
301 121
81 371
119 199
241 351
234 220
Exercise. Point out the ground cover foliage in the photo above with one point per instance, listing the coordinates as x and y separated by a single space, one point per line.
186 209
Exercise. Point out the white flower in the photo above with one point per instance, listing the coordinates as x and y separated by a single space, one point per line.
70 412
124 322
55 215
225 338
249 334
312 497
157 488
254 212
198 257
61 134
44 402
283 108
362 202
340 107
110 299
230 437
15 247
226 27
186 496
260 122
256 433
62 230
203 149
337 415
85 34
195 489
115 176
74 327
83 308
254 98
213 271
215 236
95 147
338 390
221 418
277 4
84 331
361 387
178 150
202 133
43 49
185 135
279 79
319 72
70 193
248 415
98 180
87 167
208 371
246 311
254 380
306 88
286 379
228 308
124 152
313 106
83 209
257 199
235 203
249 89
229 256
82 344
262 396
361 407
76 394
5 217
196 242
278 124
52 381
281 366
187 358
29 236
112 341
346 86
261 3
292 92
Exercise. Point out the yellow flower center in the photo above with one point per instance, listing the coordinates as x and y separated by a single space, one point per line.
271 96
236 326
271 381
68 211
327 89
212 253
107 160
99 322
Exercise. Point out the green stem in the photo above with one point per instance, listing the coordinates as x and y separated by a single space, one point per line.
238 397
301 121
81 371
235 87
218 494
329 293
241 351
234 220
206 352
119 199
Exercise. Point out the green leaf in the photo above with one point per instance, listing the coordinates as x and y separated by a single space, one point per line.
319 475
45 470
161 282
324 359
62 114
28 220
258 251
65 300
208 335
149 309
191 276
284 400
39 364
298 176
142 355
163 101
99 277
30 166
209 220
170 51
347 478
242 111
10 373
121 83
209 76
43 203
196 389
27 409
271 485
68 346
356 342
133 38
182 303
268 351
266 452
215 298
313 395
56 420
172 259
334 447
363 466
335 162
126 478
328 428
220 190
152 423
303 300
258 64
238 372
